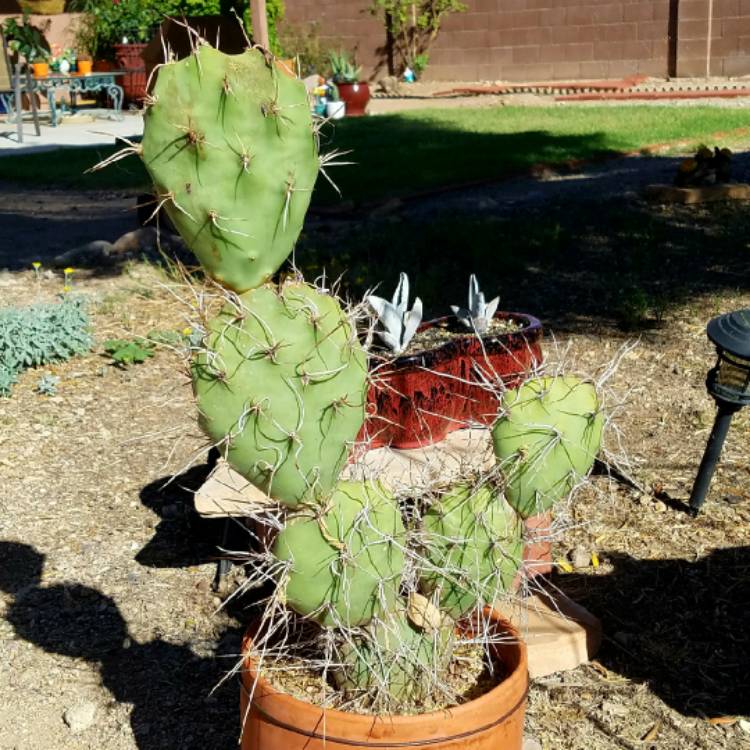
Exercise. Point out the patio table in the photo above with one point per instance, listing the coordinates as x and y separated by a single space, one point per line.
79 84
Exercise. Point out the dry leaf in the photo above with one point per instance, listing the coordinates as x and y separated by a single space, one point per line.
724 720
652 733
423 613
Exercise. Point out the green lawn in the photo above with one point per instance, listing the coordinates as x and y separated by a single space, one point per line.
408 153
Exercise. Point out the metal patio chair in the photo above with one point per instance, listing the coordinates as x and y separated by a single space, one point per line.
13 84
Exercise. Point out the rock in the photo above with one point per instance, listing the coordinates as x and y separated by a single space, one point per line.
390 85
580 557
136 242
80 717
613 708
90 253
531 743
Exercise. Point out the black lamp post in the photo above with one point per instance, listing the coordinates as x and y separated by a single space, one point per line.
729 384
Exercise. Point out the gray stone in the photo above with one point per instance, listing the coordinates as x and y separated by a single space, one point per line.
89 253
580 557
135 242
80 717
531 743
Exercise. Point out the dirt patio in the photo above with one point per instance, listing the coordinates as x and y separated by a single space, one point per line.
109 634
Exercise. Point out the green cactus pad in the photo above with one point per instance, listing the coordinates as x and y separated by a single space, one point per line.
280 385
346 558
395 660
229 144
547 440
473 538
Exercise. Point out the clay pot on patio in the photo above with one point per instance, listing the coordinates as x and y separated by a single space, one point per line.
128 57
417 399
494 721
356 96
84 67
40 69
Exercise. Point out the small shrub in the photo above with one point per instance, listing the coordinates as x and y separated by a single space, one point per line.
41 334
47 384
124 352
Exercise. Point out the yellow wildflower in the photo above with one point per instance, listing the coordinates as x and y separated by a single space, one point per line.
67 288
595 559
565 566
187 331
68 271
36 265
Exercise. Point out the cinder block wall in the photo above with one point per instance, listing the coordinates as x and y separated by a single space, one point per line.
525 40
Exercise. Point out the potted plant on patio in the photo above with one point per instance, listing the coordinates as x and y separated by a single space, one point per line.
26 42
432 378
117 32
346 75
378 621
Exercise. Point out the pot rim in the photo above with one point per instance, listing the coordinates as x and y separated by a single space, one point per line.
507 696
533 326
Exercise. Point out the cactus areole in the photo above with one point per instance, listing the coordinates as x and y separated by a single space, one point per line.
230 147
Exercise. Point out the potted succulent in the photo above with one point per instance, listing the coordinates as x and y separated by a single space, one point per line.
84 64
346 75
436 377
26 42
374 601
335 107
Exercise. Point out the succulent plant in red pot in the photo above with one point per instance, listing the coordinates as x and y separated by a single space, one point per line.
438 376
354 92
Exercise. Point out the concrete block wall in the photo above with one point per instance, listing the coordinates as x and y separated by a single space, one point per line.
527 40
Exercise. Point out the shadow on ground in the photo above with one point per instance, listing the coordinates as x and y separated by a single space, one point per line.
680 626
167 684
579 247
183 538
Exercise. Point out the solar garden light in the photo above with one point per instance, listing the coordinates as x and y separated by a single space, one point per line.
729 384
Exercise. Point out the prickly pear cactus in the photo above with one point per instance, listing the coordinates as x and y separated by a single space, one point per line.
280 385
546 440
473 548
395 660
229 144
345 558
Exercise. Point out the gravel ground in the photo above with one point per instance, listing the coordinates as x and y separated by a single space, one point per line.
109 635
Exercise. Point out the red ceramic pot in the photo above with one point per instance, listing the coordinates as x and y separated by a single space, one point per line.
416 400
128 57
356 96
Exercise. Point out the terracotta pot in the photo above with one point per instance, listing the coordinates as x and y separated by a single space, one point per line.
104 66
416 400
356 96
128 58
41 69
494 721
84 67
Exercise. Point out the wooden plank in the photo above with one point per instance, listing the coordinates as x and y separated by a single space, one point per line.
738 191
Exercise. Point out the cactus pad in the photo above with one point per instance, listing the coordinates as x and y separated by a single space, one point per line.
229 144
472 537
280 385
346 557
547 440
395 660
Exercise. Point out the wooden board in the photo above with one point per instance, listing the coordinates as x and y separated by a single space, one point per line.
226 493
689 195
559 633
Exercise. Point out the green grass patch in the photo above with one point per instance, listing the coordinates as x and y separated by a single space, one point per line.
402 154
